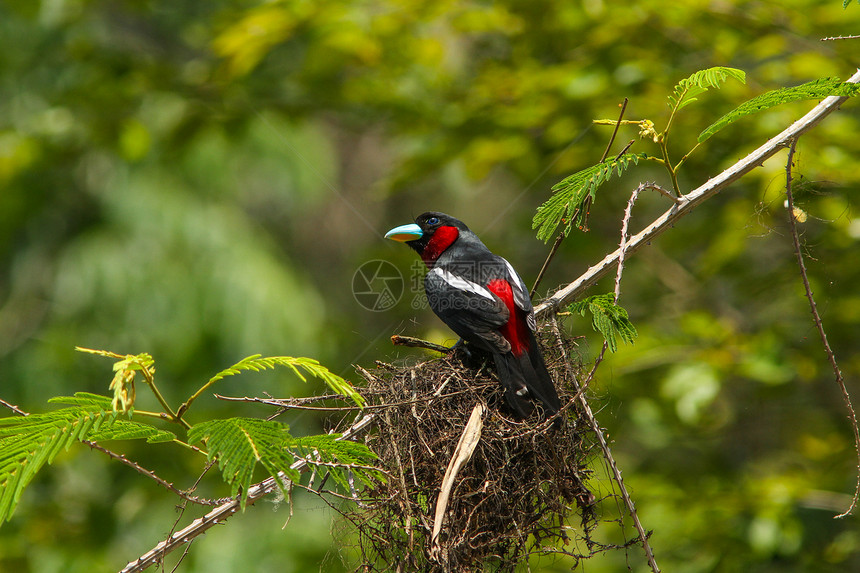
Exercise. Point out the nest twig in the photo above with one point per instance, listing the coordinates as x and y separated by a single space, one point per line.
514 497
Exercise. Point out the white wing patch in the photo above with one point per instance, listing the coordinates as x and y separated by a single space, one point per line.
521 296
521 292
462 284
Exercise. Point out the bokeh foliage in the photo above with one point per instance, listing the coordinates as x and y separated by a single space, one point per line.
200 181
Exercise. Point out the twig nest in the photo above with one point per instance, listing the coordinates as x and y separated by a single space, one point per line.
514 497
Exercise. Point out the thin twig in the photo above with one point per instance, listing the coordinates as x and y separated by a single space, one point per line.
625 148
149 377
691 200
561 236
181 511
287 403
292 403
398 340
12 407
625 226
829 38
319 462
548 260
819 325
614 131
153 476
607 454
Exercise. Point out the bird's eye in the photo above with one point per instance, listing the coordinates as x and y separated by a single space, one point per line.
432 220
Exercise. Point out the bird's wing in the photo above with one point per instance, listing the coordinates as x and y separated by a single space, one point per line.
469 309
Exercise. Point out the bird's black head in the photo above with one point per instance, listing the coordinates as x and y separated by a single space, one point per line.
430 235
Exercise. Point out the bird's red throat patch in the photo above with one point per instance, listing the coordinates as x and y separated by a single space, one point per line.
441 240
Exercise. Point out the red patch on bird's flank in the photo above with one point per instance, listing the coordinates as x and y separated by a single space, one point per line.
441 240
515 330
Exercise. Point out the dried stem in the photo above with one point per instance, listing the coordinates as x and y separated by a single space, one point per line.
818 323
462 454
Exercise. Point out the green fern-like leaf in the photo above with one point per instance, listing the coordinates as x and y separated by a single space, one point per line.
687 89
816 89
27 443
240 443
573 195
607 318
130 430
258 362
94 402
348 455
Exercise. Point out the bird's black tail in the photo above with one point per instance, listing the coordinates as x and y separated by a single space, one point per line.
541 386
514 383
525 377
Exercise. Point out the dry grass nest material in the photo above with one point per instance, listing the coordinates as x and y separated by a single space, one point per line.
518 494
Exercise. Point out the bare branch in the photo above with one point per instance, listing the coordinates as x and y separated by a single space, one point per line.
688 202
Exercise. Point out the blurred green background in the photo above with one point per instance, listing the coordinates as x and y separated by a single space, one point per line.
201 181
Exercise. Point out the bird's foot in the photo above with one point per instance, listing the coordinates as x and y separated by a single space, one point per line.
461 345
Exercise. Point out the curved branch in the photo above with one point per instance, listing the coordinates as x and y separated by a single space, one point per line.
688 202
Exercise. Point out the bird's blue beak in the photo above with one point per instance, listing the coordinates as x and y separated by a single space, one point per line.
405 233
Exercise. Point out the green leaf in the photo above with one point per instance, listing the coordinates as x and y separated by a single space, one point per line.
816 89
687 89
608 318
27 443
84 399
130 430
330 449
257 362
573 195
239 444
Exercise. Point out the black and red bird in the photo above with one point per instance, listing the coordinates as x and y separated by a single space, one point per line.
481 297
